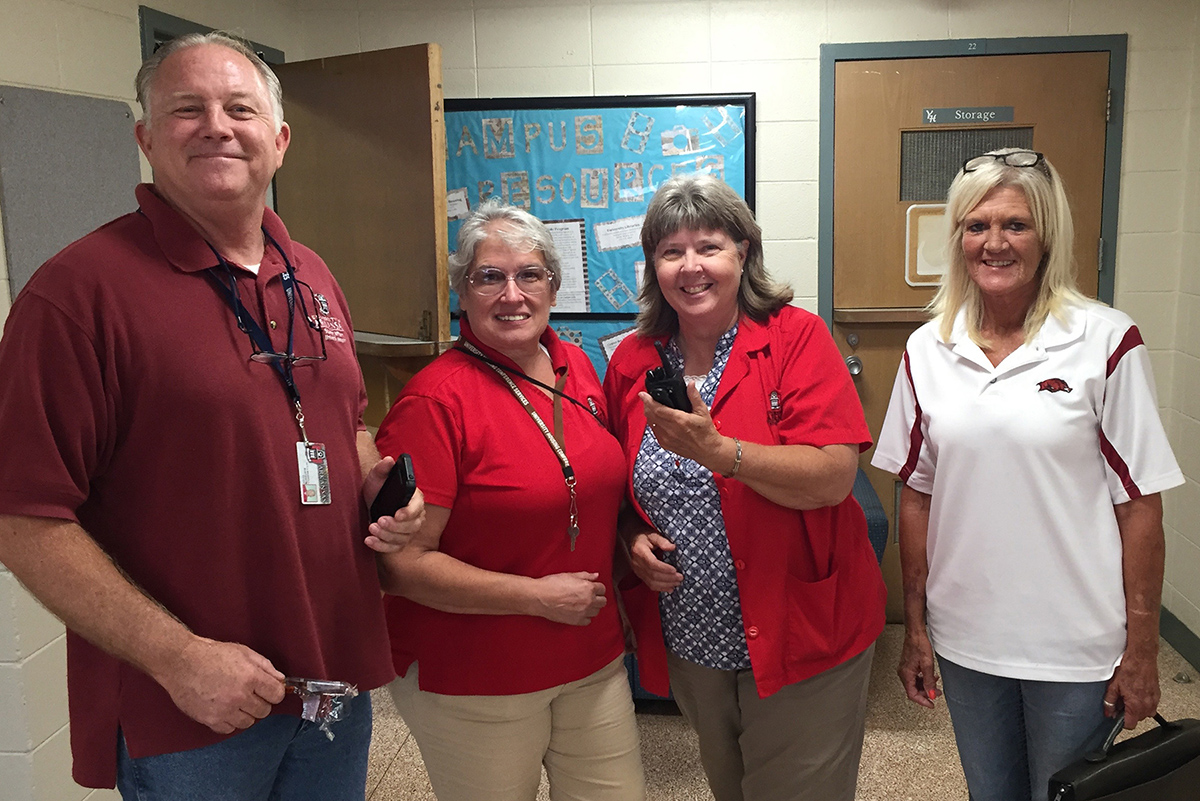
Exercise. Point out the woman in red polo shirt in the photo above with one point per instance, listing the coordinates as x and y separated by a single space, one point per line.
506 635
756 570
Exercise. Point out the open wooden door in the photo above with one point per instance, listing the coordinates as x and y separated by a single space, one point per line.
902 128
364 185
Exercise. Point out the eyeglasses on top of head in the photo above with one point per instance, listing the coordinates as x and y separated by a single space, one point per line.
490 281
1014 158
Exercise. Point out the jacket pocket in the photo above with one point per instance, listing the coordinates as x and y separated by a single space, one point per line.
812 625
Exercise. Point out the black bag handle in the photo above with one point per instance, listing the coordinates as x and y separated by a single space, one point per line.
1110 729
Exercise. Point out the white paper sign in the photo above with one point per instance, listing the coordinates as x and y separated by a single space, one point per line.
568 236
616 234
457 205
608 344
925 239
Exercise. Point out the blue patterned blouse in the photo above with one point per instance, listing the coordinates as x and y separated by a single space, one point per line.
702 617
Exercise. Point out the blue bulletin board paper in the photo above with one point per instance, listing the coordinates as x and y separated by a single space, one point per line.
588 168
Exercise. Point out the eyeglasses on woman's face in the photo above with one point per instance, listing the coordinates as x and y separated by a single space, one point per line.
1015 158
491 281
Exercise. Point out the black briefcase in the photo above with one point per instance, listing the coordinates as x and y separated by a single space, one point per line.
1159 765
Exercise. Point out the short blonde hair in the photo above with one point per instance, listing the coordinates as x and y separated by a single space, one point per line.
1043 190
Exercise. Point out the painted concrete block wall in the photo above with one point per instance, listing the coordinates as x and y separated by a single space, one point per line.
35 758
1182 591
89 47
555 47
581 47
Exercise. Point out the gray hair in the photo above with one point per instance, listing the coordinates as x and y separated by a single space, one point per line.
516 227
703 202
145 76
1047 199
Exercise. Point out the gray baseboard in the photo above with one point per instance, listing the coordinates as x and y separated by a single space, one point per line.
1181 638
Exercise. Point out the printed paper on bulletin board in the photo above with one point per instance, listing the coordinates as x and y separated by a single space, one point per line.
588 167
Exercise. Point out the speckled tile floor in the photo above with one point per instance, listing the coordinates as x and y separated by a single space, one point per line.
908 755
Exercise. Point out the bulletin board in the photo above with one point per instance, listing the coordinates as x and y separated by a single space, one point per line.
588 167
68 164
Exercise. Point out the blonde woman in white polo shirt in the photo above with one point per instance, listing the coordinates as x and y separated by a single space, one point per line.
1024 426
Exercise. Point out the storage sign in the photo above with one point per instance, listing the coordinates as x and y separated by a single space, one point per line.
962 115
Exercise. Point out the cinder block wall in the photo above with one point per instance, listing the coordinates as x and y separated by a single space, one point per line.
1182 592
576 47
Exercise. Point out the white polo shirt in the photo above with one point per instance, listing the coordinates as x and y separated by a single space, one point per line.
1025 462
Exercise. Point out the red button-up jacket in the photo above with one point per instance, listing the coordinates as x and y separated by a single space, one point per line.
811 592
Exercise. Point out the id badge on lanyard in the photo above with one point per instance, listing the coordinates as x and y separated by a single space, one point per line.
314 473
313 463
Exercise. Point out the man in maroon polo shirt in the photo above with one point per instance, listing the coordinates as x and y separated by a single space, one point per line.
187 465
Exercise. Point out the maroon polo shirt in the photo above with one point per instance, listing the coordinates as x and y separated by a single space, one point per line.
129 404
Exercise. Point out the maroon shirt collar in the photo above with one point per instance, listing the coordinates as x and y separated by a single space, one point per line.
182 244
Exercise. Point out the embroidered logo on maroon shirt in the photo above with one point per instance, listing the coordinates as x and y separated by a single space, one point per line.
322 304
331 326
1053 385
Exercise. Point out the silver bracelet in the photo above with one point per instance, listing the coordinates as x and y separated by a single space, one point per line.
737 459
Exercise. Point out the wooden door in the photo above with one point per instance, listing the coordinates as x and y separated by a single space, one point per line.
364 185
364 182
891 165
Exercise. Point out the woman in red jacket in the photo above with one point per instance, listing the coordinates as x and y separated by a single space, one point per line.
757 574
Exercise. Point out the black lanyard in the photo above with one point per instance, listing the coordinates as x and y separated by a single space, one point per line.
246 321
469 349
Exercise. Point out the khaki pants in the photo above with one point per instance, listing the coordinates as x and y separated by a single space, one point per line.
801 744
493 747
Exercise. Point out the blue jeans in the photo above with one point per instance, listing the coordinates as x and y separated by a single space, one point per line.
1014 734
279 758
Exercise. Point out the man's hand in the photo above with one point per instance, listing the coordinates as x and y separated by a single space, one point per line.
654 572
226 686
571 598
390 533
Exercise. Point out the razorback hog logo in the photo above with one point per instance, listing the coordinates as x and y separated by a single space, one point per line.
1053 385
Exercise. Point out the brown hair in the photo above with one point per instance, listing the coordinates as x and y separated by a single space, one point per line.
703 202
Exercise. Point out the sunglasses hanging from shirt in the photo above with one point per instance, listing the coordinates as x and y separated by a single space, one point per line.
311 458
